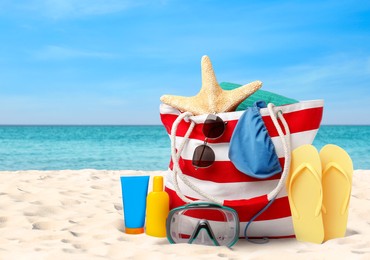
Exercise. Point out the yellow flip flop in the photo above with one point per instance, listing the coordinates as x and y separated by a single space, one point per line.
337 185
305 194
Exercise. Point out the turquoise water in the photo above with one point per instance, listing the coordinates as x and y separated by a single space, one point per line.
354 139
128 147
81 147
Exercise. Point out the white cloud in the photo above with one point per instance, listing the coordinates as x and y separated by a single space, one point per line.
326 73
342 80
53 52
61 9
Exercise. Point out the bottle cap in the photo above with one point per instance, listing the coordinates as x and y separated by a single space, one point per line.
158 183
134 231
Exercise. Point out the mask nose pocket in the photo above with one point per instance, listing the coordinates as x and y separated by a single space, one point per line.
251 149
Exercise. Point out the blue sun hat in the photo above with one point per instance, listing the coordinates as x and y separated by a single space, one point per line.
251 149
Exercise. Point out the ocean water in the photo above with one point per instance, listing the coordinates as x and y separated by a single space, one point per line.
354 139
82 147
128 147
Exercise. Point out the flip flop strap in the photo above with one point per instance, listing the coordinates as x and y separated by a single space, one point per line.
298 171
343 172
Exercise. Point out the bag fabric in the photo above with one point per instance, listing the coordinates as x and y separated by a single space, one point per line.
247 195
251 149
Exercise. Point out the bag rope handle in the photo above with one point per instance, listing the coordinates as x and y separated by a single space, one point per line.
175 159
287 153
285 139
177 172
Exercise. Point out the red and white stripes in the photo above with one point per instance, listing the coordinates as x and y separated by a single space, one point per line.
222 180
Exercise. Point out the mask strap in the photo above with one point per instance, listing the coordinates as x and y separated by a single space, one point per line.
285 139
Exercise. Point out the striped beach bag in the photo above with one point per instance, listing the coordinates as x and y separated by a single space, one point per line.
289 126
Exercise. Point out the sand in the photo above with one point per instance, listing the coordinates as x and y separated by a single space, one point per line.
74 214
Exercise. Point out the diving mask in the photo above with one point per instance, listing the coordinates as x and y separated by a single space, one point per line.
203 223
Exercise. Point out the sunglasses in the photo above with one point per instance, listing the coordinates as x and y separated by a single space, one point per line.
213 128
203 223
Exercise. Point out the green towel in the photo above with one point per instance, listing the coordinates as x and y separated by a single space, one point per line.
266 96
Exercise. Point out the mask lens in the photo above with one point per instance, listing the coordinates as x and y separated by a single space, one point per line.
213 127
205 226
203 156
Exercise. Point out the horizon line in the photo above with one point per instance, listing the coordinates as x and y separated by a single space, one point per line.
2 125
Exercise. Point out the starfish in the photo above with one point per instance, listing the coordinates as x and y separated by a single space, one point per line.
211 97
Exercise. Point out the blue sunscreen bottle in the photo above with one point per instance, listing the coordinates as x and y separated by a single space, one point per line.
134 192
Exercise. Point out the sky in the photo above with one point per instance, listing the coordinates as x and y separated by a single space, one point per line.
109 61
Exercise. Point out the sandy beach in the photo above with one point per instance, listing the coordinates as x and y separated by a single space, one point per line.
77 214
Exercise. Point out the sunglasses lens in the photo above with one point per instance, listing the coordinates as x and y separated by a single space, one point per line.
211 226
213 127
203 156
